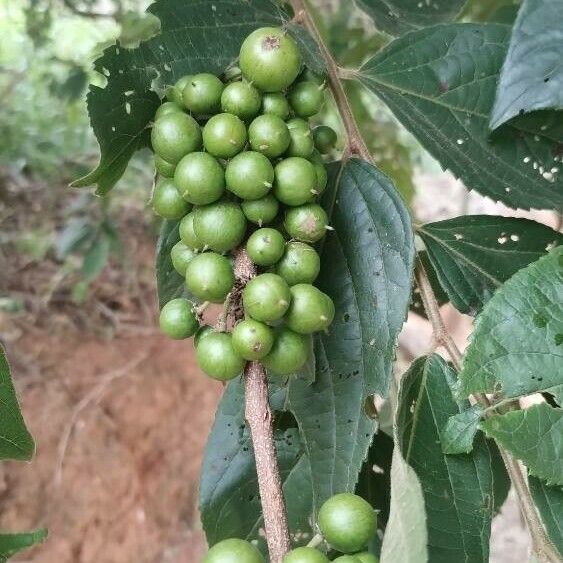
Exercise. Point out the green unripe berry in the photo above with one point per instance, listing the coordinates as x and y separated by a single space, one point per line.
217 358
174 93
167 201
309 76
301 143
233 551
174 135
298 123
200 178
347 522
347 559
165 169
252 340
269 135
266 297
275 103
178 320
306 98
300 263
270 59
366 557
166 108
220 226
201 333
224 135
320 169
295 180
261 211
202 94
187 233
306 223
181 256
310 310
288 354
210 277
325 138
249 175
305 555
241 99
265 246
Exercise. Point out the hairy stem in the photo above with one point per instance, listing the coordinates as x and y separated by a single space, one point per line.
259 417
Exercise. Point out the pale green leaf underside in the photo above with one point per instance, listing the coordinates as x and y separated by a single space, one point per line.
532 73
516 347
549 502
459 432
535 436
10 544
440 82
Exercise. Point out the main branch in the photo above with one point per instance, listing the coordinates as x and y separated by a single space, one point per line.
258 415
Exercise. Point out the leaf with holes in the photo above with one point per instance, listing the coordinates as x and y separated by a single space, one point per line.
458 433
474 255
516 346
440 83
533 436
549 502
532 73
10 544
399 16
195 36
367 270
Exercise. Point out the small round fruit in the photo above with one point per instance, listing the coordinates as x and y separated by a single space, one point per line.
295 180
201 333
306 98
307 223
224 135
270 59
249 175
288 354
275 103
187 233
210 277
261 211
347 522
325 138
178 320
366 557
310 310
200 178
166 108
175 135
266 297
265 246
320 169
301 143
241 99
167 201
220 226
300 263
233 551
347 559
217 358
269 135
174 93
305 555
252 339
202 94
164 168
181 256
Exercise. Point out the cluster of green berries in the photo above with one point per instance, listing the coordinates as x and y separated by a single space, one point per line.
347 523
233 156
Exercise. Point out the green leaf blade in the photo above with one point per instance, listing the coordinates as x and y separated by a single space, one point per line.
170 284
549 502
459 432
10 544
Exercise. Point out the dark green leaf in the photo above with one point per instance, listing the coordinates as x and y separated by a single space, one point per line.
549 502
474 255
440 83
399 16
533 436
532 73
312 57
516 347
15 440
96 257
458 434
416 301
10 544
366 269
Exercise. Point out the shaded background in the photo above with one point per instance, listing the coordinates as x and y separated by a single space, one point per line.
120 413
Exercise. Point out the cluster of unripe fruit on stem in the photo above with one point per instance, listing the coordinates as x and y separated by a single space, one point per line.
232 156
347 523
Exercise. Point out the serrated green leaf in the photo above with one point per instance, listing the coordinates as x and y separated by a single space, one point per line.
532 74
533 436
549 502
15 440
399 16
458 434
10 544
474 255
516 348
440 83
